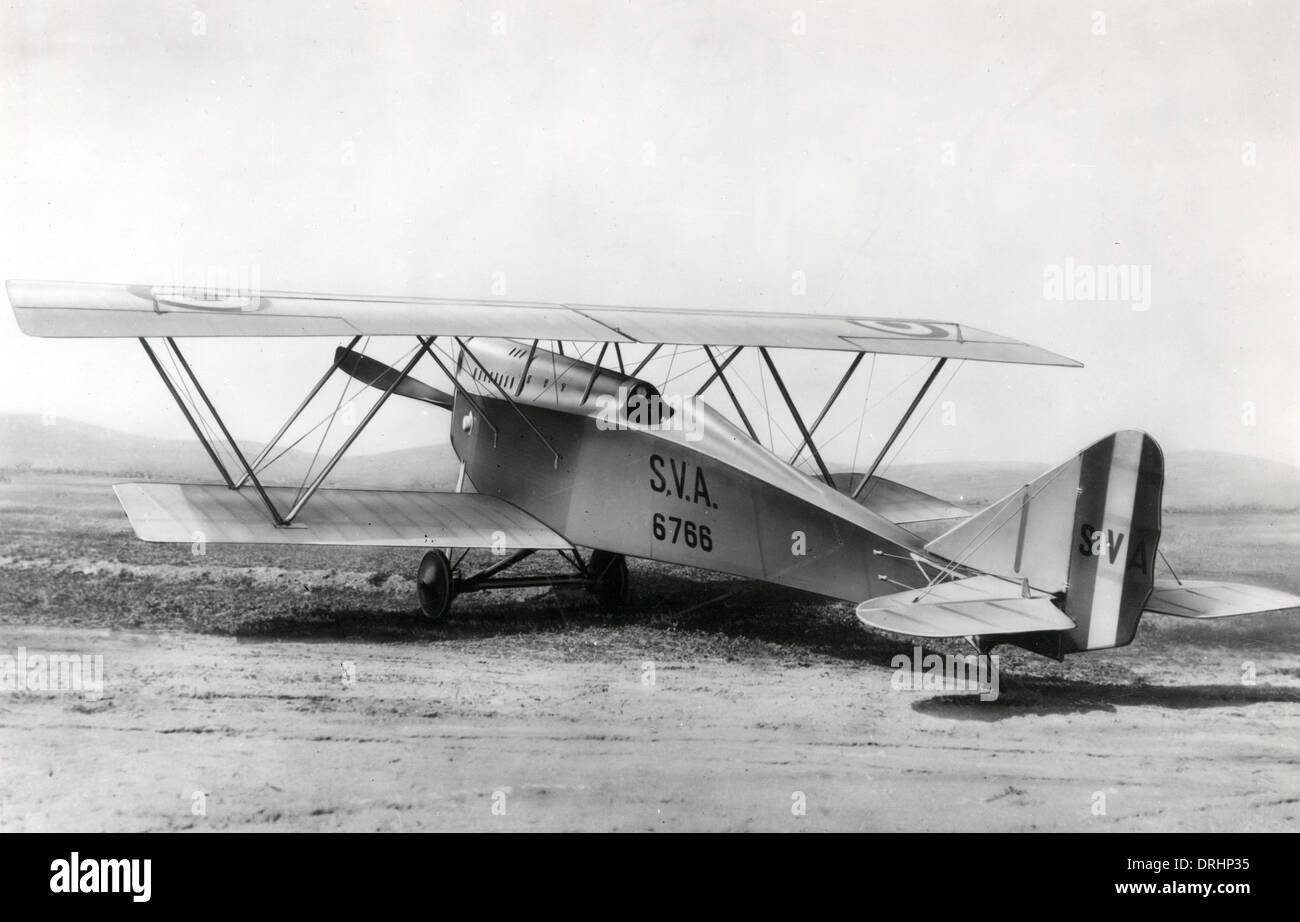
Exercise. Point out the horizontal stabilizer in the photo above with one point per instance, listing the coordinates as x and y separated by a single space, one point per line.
980 605
1205 599
189 512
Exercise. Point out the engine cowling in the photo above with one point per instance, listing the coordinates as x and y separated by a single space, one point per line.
543 378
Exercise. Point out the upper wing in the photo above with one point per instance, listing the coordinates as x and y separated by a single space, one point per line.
79 309
188 512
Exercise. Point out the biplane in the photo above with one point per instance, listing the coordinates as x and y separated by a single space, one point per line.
567 443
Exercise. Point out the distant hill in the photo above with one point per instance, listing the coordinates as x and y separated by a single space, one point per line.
424 468
75 447
1194 480
1221 479
1208 480
966 484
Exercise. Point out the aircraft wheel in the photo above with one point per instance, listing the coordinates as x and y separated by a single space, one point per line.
612 582
434 586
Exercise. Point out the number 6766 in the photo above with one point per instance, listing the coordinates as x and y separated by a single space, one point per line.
678 530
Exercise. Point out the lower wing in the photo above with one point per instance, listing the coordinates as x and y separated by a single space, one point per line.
189 512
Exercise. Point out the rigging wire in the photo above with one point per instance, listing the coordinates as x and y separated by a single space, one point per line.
201 415
767 410
327 418
739 377
668 374
886 463
1169 565
862 418
347 383
976 542
867 409
687 371
288 448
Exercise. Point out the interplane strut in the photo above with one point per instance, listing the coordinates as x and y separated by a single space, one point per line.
249 471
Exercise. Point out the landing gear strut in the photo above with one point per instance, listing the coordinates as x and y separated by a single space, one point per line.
604 574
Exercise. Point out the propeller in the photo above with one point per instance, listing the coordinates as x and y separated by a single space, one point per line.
381 376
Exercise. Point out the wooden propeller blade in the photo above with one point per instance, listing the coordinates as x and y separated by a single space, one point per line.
381 376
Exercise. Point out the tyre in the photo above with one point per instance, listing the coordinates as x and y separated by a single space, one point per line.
434 586
611 583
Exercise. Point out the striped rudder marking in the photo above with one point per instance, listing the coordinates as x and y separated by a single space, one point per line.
1116 530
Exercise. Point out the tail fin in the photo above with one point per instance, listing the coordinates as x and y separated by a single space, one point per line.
1086 531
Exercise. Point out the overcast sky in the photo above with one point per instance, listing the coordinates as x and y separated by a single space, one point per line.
901 159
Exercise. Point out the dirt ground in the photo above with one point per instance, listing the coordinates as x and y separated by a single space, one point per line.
254 688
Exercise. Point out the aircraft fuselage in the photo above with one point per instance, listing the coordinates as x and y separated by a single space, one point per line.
706 496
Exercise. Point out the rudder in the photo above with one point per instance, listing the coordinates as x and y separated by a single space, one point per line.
1086 531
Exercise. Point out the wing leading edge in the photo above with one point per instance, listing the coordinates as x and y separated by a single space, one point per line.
79 309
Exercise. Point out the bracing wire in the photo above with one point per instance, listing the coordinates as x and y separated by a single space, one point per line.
347 383
886 463
862 417
867 409
213 438
980 538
